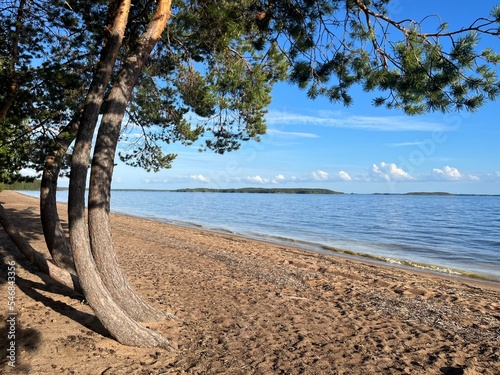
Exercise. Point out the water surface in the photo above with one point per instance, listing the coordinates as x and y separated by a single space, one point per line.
453 234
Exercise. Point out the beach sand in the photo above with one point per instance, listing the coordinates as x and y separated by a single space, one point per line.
249 307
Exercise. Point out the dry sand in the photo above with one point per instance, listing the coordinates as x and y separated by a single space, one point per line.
250 307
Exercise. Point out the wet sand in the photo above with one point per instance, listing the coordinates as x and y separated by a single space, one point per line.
248 307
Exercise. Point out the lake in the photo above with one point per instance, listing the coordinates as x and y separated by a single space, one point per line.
452 234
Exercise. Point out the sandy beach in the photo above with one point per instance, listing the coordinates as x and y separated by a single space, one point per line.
248 307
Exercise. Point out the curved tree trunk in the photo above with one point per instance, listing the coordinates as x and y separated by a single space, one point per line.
113 318
102 171
53 232
118 323
58 274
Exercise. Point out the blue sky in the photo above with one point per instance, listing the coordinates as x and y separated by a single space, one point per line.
359 149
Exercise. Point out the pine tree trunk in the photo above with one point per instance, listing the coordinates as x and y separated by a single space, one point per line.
118 323
113 318
53 232
102 171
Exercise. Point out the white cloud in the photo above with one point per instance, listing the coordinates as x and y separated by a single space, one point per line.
199 177
291 134
448 173
406 144
339 120
257 179
344 176
388 172
278 179
319 175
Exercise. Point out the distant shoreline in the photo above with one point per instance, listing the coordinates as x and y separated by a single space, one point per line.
254 190
302 191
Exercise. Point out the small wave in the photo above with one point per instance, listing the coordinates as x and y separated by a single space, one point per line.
362 255
413 264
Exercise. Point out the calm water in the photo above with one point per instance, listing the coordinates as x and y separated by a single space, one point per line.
454 234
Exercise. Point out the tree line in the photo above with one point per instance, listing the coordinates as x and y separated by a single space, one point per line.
260 190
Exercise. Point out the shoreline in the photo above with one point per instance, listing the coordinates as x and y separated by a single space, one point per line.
250 307
329 250
425 270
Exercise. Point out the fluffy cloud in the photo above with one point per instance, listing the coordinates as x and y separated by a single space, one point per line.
447 173
278 179
388 172
257 179
320 175
199 177
344 176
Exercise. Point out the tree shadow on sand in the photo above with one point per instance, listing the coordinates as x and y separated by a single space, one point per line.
89 321
24 340
29 221
12 332
452 370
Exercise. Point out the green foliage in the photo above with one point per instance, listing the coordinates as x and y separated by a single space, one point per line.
47 52
361 45
205 81
15 148
21 185
209 79
260 191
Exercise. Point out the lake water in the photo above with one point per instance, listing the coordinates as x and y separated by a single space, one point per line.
453 234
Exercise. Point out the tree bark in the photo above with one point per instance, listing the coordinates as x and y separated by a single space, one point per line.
102 171
55 238
113 318
58 274
116 321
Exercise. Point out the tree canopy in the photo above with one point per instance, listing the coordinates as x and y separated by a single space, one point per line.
210 75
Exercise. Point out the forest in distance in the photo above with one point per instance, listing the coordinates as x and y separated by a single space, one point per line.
260 190
35 185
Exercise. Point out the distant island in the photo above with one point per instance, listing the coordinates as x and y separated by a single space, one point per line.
439 194
35 185
260 191
429 193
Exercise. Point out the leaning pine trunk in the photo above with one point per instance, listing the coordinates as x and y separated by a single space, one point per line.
119 324
113 318
55 238
102 171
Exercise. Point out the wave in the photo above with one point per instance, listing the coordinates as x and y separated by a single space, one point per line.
328 249
413 264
